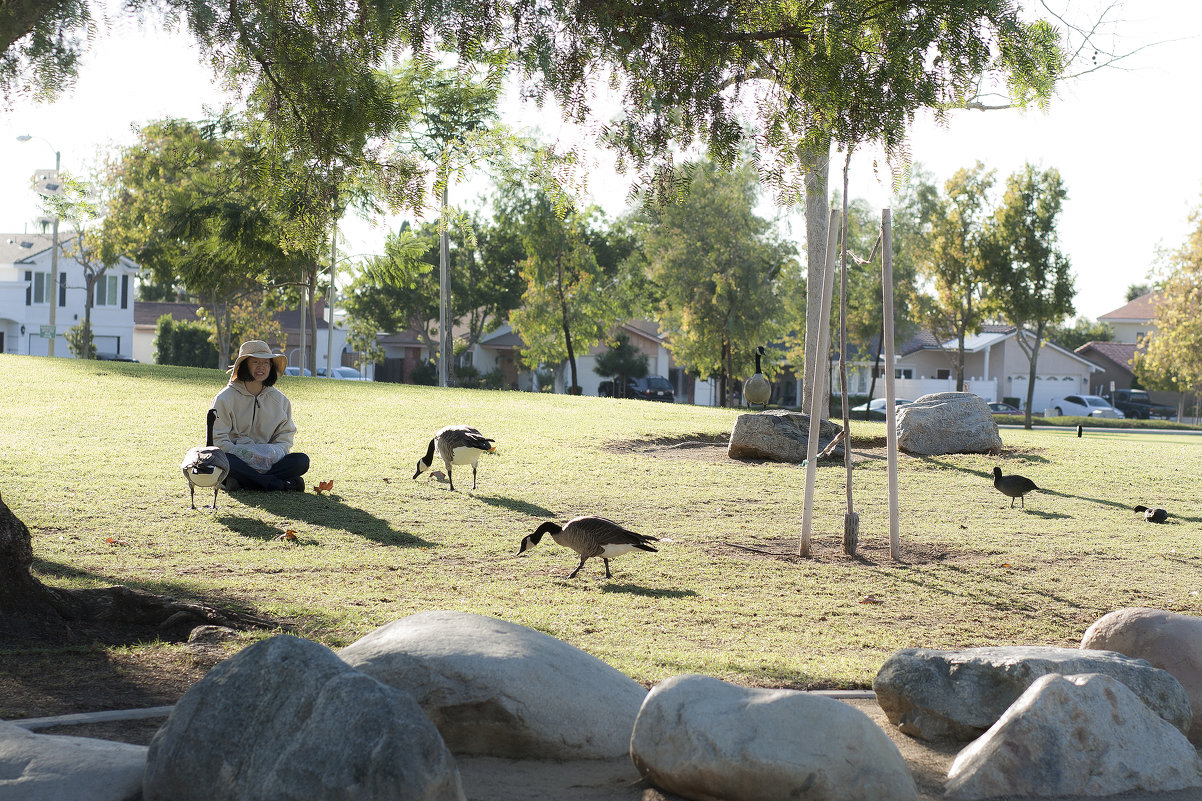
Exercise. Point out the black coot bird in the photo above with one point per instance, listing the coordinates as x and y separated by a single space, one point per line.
1015 486
1153 514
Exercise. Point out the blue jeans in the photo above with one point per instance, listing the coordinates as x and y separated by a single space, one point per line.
293 465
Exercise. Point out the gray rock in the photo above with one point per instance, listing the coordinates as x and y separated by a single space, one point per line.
704 739
957 695
1085 735
1168 640
495 688
287 719
47 767
52 767
947 422
778 435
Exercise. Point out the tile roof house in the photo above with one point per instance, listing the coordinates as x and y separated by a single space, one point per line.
1133 321
26 294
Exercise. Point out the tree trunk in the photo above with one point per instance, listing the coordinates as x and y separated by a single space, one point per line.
29 610
817 207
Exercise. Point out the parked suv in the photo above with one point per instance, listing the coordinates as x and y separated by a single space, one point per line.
653 387
1083 406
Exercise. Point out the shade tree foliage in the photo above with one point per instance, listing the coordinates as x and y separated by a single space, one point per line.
1030 276
1172 358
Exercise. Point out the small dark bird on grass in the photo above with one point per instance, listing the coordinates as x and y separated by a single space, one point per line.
591 536
1079 430
1153 514
1014 486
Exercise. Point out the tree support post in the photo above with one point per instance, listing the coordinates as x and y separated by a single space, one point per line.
817 380
890 392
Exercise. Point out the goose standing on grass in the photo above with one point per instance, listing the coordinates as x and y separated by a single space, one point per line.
757 389
206 466
1015 486
591 536
455 445
1153 514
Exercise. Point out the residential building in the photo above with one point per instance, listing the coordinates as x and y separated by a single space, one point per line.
1133 321
995 367
26 295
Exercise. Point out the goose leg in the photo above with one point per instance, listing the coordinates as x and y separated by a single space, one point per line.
450 478
214 499
577 570
1011 503
607 573
192 490
473 476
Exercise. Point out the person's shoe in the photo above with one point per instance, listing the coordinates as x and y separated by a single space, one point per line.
231 484
294 485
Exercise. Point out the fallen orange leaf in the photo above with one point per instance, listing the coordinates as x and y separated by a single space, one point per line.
115 541
324 486
289 535
871 599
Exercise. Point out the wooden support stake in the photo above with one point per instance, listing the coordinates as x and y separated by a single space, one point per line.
816 372
890 392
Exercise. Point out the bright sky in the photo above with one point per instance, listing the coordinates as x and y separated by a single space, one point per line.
1126 140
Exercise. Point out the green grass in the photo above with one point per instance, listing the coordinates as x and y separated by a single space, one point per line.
89 451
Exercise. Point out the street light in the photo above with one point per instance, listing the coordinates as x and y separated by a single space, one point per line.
53 244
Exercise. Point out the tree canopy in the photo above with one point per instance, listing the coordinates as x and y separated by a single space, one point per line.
1172 358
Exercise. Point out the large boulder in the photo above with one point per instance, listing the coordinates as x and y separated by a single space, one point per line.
287 719
495 688
1168 640
46 767
1085 735
778 435
704 739
957 695
947 422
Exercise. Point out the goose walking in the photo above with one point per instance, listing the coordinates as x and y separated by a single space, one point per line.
590 536
756 389
455 445
205 466
1153 514
1014 485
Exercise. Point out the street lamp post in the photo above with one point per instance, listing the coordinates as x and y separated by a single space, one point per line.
53 251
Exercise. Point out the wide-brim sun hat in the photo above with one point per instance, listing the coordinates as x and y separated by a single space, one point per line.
259 350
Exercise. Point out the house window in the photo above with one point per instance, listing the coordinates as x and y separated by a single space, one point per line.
903 372
106 291
39 286
943 373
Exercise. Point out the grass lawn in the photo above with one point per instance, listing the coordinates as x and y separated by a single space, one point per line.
89 455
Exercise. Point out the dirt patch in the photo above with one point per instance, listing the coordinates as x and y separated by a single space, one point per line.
867 553
712 448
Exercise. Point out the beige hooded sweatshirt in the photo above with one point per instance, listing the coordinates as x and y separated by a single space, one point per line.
257 429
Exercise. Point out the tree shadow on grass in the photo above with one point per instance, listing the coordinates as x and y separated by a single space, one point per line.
987 475
319 510
515 505
648 592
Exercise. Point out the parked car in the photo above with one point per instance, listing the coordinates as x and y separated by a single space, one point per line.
1137 404
653 387
1083 406
296 371
345 373
997 407
875 408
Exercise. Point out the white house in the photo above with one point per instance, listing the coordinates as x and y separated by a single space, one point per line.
995 367
26 292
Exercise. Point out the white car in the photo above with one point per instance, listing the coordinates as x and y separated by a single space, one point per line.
345 373
1084 406
875 409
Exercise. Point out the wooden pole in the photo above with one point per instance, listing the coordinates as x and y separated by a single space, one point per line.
890 392
818 379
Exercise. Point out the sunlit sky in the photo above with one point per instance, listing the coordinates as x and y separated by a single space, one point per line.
1126 139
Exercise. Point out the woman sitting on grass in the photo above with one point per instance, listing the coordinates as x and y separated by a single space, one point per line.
254 424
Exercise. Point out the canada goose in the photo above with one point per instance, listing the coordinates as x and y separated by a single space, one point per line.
590 536
757 389
205 466
455 445
1153 514
1015 486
